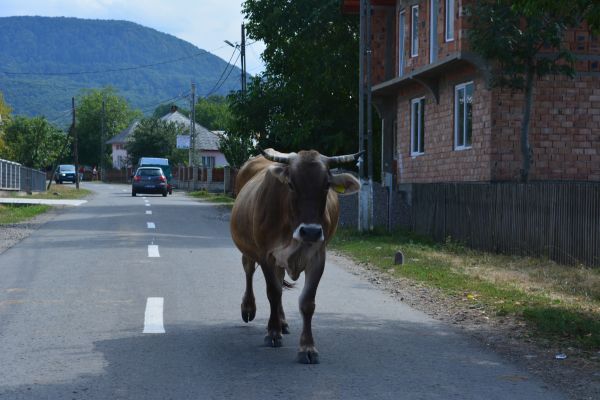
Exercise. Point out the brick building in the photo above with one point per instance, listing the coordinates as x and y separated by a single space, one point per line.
442 122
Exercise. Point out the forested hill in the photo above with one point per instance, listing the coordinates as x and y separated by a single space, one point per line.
52 45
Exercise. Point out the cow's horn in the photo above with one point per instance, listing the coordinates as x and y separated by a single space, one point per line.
274 155
345 158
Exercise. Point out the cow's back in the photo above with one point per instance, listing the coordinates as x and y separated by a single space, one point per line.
250 168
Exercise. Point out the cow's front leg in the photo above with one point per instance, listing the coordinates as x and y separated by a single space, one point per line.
307 353
248 302
274 287
285 328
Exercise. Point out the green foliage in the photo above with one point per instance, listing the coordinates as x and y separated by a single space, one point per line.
236 148
33 142
307 96
118 115
4 120
11 214
44 44
525 36
213 113
153 138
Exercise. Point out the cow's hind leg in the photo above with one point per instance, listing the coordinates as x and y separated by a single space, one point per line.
248 302
285 328
274 287
307 353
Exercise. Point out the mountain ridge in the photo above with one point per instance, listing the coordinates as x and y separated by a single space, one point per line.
36 48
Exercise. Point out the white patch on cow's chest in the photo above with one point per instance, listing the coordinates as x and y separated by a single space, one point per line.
295 257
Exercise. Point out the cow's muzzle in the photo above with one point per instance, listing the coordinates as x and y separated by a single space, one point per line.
309 233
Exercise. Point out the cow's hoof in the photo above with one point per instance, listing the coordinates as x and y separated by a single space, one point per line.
285 328
273 341
308 357
248 312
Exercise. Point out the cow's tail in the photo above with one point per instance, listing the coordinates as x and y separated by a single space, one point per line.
288 285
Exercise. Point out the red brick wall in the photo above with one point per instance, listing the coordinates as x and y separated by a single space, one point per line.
441 163
378 43
564 130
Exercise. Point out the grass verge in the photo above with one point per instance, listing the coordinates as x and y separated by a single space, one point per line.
11 214
560 304
56 192
219 198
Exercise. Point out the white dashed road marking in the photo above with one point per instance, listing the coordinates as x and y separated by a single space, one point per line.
147 204
151 225
153 250
153 318
148 212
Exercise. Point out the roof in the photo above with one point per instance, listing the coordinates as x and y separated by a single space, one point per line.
122 136
205 139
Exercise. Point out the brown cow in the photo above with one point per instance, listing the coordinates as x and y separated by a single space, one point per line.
284 215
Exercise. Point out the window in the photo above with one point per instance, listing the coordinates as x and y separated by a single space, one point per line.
417 126
208 162
401 34
414 33
449 20
463 116
433 30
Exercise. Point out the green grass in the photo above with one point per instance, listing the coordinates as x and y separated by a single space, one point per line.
56 192
11 214
500 285
219 198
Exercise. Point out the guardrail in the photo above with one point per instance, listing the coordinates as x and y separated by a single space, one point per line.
14 176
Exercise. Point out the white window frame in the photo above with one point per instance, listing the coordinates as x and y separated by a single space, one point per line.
433 30
449 21
417 130
457 89
401 41
414 31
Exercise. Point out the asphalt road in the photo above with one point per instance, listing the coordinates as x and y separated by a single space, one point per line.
73 311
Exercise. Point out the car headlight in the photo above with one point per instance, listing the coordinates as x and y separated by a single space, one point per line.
63 174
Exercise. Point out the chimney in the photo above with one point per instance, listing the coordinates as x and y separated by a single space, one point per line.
173 108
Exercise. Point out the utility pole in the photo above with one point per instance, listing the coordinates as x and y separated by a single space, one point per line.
243 58
75 144
102 138
365 198
193 126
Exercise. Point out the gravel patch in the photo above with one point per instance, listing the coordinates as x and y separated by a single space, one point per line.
11 234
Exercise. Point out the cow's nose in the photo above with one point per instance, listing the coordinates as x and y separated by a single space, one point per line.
311 233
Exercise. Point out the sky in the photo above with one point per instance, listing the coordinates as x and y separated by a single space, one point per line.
204 23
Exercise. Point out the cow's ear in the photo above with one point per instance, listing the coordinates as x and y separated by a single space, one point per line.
344 184
281 172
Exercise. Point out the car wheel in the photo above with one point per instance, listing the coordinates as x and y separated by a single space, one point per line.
133 193
60 182
164 193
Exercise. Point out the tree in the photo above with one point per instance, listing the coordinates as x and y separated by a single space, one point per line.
307 96
236 148
4 121
524 40
34 142
118 115
153 138
213 113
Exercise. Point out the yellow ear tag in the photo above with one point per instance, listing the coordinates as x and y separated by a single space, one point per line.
340 189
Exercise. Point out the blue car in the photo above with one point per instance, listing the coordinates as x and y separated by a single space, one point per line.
65 173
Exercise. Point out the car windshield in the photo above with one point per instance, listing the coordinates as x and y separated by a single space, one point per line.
149 172
67 168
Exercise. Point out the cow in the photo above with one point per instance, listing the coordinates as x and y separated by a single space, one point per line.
285 213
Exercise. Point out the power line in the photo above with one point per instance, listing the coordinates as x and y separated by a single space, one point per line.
112 69
216 88
211 91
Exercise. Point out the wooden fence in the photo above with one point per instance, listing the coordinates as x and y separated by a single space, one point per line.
558 220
